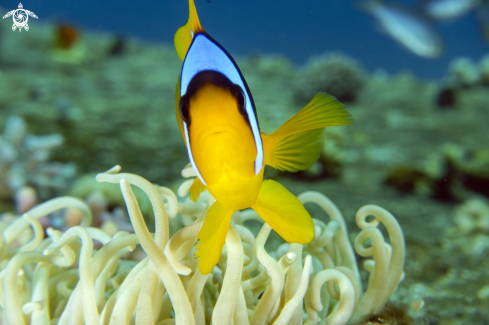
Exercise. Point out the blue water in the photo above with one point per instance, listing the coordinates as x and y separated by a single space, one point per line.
296 29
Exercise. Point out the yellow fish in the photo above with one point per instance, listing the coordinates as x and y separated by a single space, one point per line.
227 150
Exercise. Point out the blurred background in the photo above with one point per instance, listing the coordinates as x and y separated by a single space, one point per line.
296 31
88 85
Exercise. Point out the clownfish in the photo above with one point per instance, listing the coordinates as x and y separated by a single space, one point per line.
217 118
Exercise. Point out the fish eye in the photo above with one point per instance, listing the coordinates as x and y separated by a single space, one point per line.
184 109
240 99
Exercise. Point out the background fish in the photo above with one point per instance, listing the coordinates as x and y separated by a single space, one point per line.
302 30
408 29
483 19
449 9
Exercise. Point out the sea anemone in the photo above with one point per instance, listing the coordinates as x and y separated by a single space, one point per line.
61 279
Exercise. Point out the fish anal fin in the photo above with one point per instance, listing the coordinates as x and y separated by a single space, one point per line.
196 188
296 145
284 213
212 237
184 35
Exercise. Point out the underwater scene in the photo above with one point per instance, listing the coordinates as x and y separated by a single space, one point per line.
232 162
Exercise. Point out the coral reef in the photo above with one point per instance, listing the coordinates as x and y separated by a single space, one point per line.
249 284
454 284
470 166
465 73
335 74
95 101
442 174
24 161
473 216
484 69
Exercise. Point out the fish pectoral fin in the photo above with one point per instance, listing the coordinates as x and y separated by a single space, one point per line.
284 213
184 35
196 188
296 145
212 237
293 152
321 112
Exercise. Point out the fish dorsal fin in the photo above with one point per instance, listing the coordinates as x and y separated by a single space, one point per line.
185 34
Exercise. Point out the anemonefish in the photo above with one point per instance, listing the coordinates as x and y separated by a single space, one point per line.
217 118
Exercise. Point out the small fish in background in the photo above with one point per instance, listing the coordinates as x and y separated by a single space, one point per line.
228 152
482 14
410 30
118 47
66 36
68 45
449 9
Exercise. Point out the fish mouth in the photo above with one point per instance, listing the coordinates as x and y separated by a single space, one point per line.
222 130
216 135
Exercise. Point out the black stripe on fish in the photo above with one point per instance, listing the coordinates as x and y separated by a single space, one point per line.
247 90
215 78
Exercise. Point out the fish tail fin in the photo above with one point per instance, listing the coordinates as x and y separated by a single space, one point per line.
196 188
212 237
284 213
296 145
184 35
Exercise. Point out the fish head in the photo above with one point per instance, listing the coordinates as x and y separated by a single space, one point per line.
216 112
